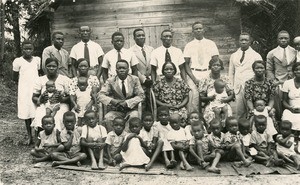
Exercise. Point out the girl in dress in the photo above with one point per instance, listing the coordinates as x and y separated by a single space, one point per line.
25 71
132 149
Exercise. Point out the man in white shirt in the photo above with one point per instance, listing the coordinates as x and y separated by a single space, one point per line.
240 70
117 53
197 55
166 53
89 50
122 93
297 47
56 51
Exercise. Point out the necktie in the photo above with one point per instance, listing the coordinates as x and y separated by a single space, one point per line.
168 57
59 57
243 56
284 58
144 53
123 88
86 53
119 55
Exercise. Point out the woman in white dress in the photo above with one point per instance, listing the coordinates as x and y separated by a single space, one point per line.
25 72
291 100
61 84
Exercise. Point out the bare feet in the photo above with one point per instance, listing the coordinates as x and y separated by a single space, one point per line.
188 167
78 163
101 166
94 166
214 170
182 166
29 141
147 167
122 166
55 163
247 163
204 164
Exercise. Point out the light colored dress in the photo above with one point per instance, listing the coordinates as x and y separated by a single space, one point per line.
28 73
61 84
83 98
294 101
135 155
206 86
270 124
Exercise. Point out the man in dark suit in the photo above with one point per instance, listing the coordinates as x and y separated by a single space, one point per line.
121 93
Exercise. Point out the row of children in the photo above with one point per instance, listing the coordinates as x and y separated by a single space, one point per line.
166 140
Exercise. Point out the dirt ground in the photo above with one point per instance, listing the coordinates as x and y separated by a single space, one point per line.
17 168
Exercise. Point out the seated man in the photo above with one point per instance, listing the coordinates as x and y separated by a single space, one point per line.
122 93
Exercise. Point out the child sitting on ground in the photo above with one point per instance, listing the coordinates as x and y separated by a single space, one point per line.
232 143
69 152
286 144
149 134
198 145
194 117
93 138
132 148
114 141
163 128
215 140
52 105
263 143
47 142
178 141
220 104
83 99
245 130
260 108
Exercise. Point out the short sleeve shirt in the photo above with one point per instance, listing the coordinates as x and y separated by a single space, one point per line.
115 140
93 133
148 136
110 60
177 135
260 140
75 142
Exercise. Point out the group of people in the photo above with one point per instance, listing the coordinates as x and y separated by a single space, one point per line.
194 122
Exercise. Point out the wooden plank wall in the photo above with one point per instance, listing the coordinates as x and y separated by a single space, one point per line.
221 18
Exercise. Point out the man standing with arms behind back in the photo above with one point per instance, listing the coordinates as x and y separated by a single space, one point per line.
89 50
197 55
240 70
143 55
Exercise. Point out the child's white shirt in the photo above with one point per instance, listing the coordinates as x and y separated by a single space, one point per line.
219 96
177 135
94 133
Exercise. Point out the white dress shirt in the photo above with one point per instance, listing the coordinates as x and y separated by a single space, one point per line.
200 52
95 51
110 59
158 58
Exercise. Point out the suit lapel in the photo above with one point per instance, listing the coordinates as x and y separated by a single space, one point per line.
130 85
117 88
139 55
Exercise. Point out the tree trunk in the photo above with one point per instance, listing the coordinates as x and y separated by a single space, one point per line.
16 28
2 19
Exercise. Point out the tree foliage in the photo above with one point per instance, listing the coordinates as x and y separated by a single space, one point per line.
16 10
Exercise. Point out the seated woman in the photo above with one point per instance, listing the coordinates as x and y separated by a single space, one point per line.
291 100
259 88
40 96
206 87
172 92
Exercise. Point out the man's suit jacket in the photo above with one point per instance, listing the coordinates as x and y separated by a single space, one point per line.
112 90
144 67
276 68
